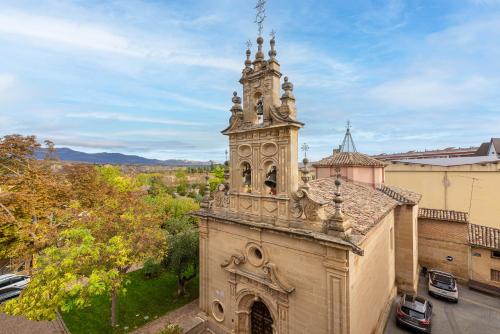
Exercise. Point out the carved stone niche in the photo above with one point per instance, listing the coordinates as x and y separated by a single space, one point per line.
265 285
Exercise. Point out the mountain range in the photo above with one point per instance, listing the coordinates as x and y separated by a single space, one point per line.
67 154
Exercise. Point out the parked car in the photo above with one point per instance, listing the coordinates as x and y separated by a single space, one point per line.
9 293
414 312
9 281
443 284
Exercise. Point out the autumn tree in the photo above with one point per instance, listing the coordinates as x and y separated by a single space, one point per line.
34 197
113 228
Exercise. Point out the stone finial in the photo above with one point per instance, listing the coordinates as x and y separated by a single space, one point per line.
339 224
272 52
248 62
259 56
306 177
287 89
338 200
205 203
236 109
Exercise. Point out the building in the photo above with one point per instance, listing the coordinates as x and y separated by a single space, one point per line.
279 256
491 148
351 164
485 258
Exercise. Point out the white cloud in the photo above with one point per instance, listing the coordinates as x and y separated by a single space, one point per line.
417 92
129 118
6 81
56 32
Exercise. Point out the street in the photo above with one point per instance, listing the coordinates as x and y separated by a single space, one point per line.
475 313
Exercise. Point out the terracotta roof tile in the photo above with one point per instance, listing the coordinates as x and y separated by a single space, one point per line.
496 144
401 195
364 205
448 215
349 159
484 236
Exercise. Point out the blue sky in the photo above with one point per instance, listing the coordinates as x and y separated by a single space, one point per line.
155 78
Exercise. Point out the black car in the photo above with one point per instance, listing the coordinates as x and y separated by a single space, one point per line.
414 312
9 294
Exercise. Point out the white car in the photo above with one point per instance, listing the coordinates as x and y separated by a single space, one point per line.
443 284
12 281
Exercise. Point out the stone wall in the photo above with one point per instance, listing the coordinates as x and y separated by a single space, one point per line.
482 263
407 250
372 279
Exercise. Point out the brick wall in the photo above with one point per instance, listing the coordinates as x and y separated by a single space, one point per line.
439 239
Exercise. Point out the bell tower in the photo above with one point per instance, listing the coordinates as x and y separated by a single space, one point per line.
263 140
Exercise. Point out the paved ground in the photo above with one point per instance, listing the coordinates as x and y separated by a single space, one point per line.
20 325
184 316
475 313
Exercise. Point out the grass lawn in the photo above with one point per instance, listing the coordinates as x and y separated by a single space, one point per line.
144 301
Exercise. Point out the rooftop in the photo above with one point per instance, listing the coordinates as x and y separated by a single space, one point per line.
455 161
344 159
484 236
447 215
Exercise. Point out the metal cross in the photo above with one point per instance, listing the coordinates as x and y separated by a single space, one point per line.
226 154
249 44
261 15
304 149
348 124
272 34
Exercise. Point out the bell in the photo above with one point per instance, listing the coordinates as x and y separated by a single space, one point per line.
247 177
271 178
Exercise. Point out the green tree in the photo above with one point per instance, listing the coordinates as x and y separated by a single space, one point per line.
117 226
183 249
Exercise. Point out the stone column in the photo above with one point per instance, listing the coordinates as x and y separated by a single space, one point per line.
203 229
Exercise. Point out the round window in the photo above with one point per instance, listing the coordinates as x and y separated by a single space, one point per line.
255 255
218 310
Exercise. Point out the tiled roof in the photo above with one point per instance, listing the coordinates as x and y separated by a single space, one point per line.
448 215
484 236
344 159
483 149
496 144
364 205
401 195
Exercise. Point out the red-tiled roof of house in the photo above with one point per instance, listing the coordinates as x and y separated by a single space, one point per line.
484 236
344 159
483 149
447 215
403 196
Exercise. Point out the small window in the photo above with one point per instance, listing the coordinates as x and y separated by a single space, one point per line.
495 254
495 275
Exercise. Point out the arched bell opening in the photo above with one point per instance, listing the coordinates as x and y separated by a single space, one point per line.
246 173
270 178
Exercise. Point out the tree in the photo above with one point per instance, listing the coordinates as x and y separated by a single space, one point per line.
183 251
217 177
34 197
117 227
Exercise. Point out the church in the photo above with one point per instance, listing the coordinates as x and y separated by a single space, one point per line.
284 252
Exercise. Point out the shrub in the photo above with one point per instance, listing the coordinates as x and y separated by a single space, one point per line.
172 329
151 269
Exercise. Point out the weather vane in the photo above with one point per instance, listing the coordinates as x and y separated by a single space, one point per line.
304 149
249 44
226 154
348 125
261 15
272 34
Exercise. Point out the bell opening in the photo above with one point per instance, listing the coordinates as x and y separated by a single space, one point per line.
271 180
246 177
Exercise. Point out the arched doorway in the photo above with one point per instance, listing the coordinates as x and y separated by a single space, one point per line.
261 321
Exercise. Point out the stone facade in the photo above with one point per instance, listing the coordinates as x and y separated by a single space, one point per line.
281 257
